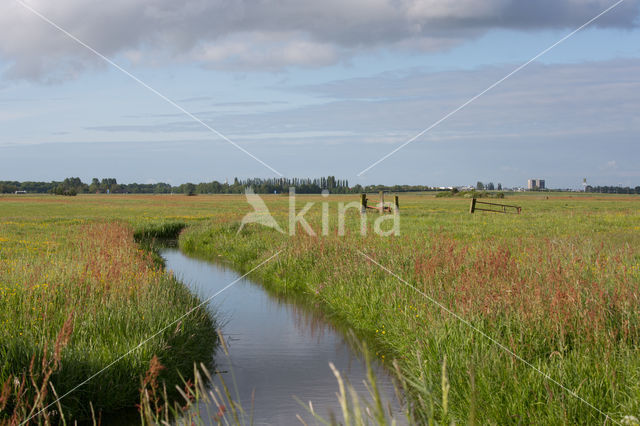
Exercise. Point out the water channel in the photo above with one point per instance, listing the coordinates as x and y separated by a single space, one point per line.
277 349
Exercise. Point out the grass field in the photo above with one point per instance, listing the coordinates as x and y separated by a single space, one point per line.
556 285
76 292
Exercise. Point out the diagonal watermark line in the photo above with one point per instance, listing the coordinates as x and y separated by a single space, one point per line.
172 323
143 84
491 339
590 21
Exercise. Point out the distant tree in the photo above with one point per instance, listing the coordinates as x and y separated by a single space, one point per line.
61 189
110 184
490 186
7 188
162 188
95 185
480 186
189 189
70 186
499 186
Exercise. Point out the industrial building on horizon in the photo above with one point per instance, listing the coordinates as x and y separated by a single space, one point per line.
535 184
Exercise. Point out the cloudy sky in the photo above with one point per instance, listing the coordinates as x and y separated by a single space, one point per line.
313 88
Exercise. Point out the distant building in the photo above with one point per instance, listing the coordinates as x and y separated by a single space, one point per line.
535 184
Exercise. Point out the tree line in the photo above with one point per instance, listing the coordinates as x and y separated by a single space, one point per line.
74 185
613 189
488 186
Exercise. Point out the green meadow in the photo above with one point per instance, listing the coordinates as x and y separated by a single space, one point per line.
76 293
533 317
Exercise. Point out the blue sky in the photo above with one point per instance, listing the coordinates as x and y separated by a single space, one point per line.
315 92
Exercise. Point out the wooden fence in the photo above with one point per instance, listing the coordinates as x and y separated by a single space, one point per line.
493 207
382 209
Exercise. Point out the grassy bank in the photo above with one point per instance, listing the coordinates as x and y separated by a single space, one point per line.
76 294
557 285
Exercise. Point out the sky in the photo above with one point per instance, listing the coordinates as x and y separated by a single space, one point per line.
199 90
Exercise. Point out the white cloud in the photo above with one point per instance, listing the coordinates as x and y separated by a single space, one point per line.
265 34
269 51
421 10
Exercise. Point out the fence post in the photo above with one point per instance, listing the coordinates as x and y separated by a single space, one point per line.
381 202
363 203
396 203
473 205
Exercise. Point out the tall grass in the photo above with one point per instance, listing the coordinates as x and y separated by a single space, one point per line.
92 285
158 230
557 287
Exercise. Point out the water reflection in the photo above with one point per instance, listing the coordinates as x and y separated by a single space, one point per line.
278 349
